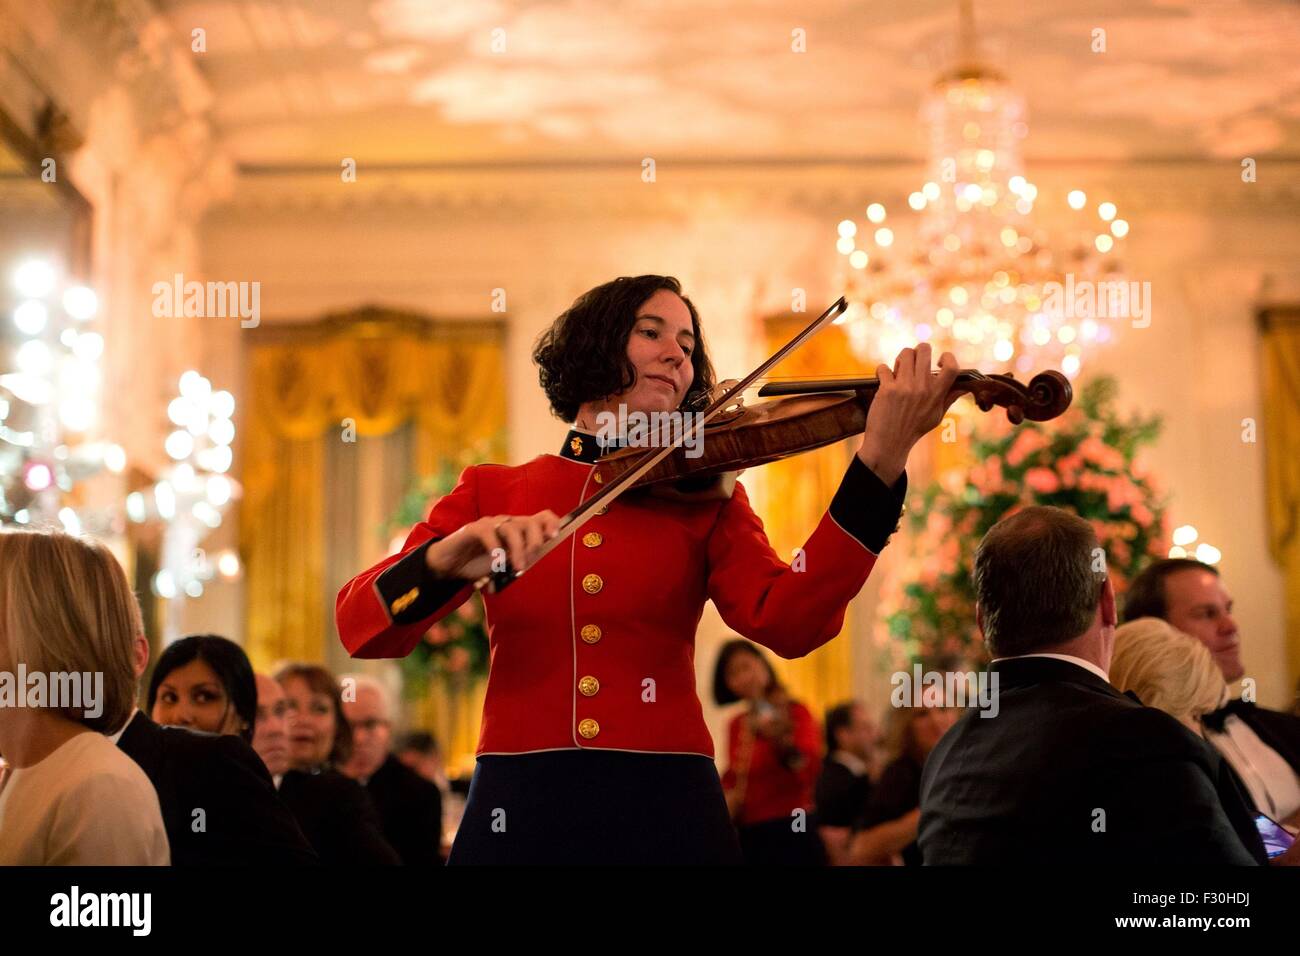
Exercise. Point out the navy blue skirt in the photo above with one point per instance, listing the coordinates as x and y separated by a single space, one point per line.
604 807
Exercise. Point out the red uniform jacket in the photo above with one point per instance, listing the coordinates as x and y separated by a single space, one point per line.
771 789
594 646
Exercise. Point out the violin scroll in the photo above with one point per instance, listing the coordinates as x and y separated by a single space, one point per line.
1047 395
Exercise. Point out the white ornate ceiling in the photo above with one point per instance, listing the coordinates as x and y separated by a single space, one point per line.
417 81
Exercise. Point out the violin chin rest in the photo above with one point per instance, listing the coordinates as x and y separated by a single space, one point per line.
713 488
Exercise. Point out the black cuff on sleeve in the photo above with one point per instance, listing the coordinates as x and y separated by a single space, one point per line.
410 591
866 508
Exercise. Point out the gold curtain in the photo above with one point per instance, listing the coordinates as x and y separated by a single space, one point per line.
364 374
792 498
1281 386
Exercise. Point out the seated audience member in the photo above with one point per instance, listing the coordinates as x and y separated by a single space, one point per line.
204 682
885 831
773 757
419 750
1170 671
846 775
1167 670
271 728
336 814
1263 746
70 798
409 806
1069 771
206 764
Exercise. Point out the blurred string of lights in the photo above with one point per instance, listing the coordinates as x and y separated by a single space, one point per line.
50 411
193 492
1185 546
970 271
50 383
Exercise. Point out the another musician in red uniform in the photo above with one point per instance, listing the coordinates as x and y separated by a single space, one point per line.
593 746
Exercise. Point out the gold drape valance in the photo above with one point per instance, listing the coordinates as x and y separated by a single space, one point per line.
348 377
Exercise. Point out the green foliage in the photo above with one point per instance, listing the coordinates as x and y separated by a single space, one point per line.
1084 461
454 650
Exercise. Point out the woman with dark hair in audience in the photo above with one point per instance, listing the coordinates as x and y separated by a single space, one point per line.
886 832
334 811
204 682
774 755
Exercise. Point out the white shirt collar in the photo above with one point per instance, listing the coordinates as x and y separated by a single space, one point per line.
1086 665
1269 779
855 765
121 730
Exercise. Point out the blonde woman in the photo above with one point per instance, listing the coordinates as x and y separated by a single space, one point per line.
1176 673
68 620
1168 670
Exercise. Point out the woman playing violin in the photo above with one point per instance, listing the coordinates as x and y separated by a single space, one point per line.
593 746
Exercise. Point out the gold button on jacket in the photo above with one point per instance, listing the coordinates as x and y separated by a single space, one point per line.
591 633
588 728
592 583
593 539
588 686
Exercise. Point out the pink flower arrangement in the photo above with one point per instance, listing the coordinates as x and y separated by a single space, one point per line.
1028 442
471 612
457 660
1042 481
1082 461
1103 456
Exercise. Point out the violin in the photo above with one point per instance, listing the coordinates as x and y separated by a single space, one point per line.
815 413
802 416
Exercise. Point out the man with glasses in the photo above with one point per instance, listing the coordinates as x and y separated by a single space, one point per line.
409 806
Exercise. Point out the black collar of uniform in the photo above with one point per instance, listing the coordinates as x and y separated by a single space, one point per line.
581 446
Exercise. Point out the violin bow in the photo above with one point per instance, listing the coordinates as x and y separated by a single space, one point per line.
495 581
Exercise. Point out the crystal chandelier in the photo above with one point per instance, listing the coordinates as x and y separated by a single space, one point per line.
968 269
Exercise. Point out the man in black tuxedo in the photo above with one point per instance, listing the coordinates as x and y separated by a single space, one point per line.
1263 746
410 807
1066 769
845 781
242 823
844 785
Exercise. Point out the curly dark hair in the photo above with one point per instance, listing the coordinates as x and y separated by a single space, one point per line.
582 357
